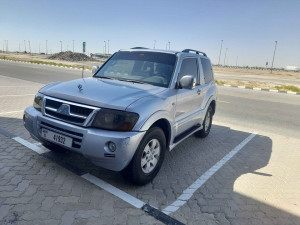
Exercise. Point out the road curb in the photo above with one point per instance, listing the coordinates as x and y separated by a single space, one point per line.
260 89
41 64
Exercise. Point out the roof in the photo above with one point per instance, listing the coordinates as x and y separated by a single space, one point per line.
185 51
138 49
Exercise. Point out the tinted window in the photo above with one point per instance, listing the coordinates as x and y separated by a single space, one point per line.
149 67
189 67
207 70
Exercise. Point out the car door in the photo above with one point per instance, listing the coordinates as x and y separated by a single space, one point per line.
188 101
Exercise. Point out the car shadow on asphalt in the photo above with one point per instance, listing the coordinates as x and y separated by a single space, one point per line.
185 164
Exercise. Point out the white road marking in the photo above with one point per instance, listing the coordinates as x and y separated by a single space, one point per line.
188 193
15 86
27 144
11 112
3 96
113 190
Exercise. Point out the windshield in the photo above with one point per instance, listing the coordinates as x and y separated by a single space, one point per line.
142 67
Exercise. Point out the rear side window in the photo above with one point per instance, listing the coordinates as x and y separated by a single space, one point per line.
207 70
189 66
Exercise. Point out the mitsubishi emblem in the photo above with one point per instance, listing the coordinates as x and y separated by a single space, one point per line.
64 109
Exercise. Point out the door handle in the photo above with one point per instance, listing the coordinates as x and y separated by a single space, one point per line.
198 91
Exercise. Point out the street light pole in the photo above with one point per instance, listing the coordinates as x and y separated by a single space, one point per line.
107 46
220 52
29 46
273 56
46 47
225 55
60 46
154 44
104 47
25 45
169 45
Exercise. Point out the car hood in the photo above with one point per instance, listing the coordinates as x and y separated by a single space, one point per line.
101 92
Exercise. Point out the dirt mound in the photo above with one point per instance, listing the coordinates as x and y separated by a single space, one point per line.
70 56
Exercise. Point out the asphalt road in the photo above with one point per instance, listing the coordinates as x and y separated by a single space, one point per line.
272 112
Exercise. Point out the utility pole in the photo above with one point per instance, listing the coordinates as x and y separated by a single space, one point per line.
25 45
236 61
29 46
169 45
60 46
225 55
154 44
274 56
46 47
39 48
107 46
73 46
220 52
6 46
104 47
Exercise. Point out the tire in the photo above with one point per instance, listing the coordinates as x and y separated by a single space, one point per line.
206 124
141 170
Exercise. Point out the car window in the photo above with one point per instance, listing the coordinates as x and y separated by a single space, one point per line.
148 67
189 66
207 70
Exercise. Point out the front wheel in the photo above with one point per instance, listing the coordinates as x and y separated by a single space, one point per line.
148 158
206 124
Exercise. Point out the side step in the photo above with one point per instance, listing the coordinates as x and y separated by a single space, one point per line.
185 135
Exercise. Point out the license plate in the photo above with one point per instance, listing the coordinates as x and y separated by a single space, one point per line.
57 138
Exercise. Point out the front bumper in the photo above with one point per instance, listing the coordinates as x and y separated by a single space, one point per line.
90 142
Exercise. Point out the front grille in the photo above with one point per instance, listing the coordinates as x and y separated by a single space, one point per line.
77 137
67 111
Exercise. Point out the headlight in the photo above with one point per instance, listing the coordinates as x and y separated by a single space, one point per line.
38 102
109 119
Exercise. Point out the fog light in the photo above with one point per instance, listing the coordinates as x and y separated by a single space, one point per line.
112 146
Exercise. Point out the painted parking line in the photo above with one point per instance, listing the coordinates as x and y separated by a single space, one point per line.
27 144
4 96
113 190
188 193
150 210
2 113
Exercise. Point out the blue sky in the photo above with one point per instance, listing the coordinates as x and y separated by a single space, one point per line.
248 28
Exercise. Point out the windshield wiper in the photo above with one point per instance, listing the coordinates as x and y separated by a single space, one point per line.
110 78
133 81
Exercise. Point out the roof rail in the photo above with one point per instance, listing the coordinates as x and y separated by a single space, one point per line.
191 50
139 48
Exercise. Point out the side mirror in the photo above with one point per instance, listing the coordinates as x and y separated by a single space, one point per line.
95 69
187 82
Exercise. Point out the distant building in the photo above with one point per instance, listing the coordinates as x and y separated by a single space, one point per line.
292 68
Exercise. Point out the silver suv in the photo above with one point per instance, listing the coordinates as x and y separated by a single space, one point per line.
138 104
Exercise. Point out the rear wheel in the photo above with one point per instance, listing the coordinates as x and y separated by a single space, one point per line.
206 124
148 158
